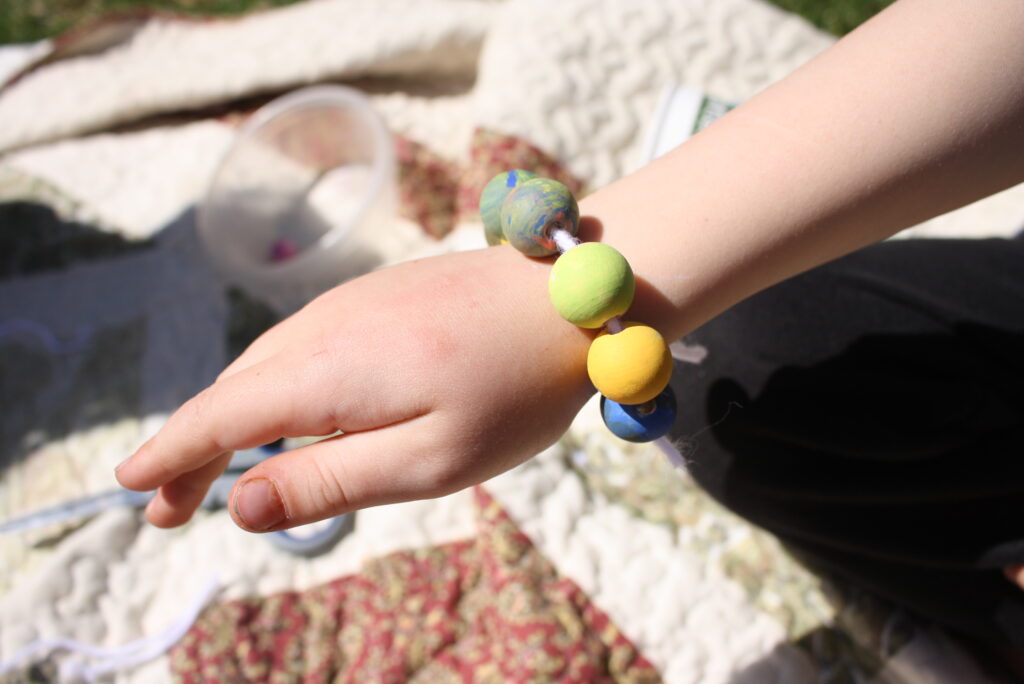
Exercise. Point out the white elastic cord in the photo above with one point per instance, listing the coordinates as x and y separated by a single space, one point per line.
614 325
564 240
690 353
120 657
671 453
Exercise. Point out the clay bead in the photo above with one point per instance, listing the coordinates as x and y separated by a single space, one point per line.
591 283
641 423
631 366
533 210
495 192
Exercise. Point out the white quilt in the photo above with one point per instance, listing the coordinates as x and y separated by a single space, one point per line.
577 78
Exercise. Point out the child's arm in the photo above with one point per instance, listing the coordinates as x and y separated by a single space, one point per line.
447 371
916 113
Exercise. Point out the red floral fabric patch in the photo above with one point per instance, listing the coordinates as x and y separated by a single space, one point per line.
491 153
490 609
427 186
436 193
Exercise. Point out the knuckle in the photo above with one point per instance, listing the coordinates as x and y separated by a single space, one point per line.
162 471
196 414
192 411
439 483
228 371
444 471
330 487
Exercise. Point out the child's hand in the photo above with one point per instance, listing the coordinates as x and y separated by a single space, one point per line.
441 372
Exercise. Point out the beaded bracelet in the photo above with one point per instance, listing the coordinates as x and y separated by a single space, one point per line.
591 286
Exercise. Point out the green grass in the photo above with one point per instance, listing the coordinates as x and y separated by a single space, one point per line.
22 21
835 16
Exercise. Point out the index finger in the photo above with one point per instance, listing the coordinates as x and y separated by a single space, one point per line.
255 406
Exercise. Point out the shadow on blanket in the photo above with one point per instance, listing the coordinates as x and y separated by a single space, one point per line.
50 382
95 327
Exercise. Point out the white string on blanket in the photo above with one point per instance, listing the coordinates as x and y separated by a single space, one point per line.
109 660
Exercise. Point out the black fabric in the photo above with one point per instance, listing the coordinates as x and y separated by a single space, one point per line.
871 414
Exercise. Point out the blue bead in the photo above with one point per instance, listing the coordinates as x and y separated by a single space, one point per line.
643 422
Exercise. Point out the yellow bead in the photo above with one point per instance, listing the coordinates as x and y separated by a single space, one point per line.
631 366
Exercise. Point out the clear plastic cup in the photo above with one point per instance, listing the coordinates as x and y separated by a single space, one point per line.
304 199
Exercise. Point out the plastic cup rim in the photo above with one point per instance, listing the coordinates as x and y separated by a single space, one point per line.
297 100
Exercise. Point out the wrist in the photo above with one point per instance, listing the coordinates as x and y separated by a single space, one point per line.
673 286
520 286
591 286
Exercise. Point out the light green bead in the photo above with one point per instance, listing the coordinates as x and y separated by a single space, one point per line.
591 283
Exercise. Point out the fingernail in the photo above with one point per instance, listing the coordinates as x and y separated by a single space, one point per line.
258 504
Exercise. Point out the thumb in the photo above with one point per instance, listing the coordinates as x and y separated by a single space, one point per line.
340 475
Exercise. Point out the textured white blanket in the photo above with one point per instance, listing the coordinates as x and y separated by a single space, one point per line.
577 78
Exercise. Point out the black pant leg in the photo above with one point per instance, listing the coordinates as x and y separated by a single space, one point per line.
871 413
